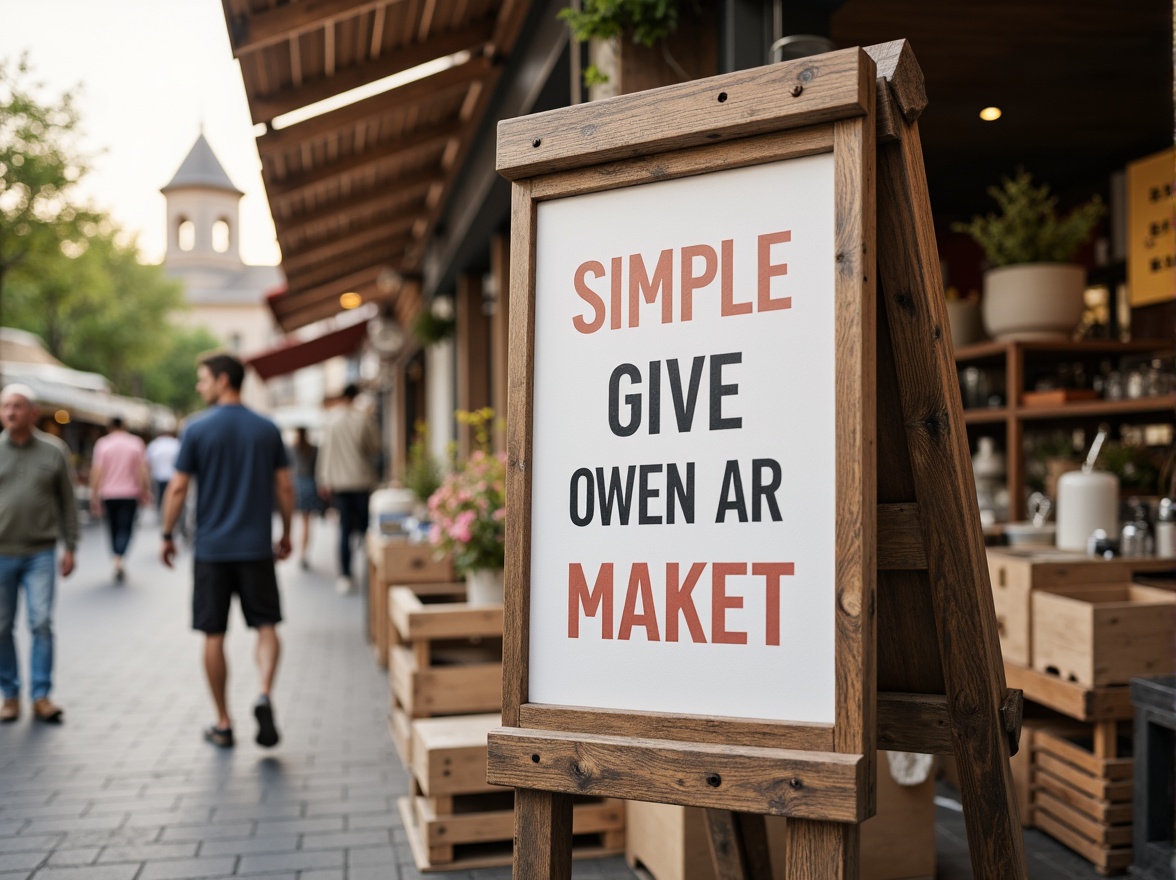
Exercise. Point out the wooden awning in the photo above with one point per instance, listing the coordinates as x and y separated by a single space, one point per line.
356 190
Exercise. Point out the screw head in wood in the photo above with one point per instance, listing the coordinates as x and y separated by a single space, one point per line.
714 780
535 143
796 90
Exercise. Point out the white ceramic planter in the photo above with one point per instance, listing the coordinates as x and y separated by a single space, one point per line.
1033 301
484 586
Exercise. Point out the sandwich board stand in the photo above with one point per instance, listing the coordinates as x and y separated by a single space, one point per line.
744 548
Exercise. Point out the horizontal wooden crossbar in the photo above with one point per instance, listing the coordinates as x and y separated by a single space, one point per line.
825 786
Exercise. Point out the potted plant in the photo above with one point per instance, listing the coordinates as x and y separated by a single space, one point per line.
468 514
1032 290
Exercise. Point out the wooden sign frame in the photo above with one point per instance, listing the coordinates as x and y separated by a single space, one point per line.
931 570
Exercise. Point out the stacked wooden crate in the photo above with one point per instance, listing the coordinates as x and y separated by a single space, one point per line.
394 561
1074 631
445 658
456 821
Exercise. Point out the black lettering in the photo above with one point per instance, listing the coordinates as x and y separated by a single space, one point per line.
633 401
644 493
622 498
718 391
655 397
732 484
684 408
574 498
684 493
761 490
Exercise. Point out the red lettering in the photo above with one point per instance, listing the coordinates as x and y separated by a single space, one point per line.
692 282
589 296
642 286
680 601
599 599
769 270
772 572
615 264
639 586
727 282
720 602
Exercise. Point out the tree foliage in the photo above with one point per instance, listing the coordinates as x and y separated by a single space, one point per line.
68 273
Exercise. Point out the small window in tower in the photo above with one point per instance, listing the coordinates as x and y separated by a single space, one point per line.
221 236
186 235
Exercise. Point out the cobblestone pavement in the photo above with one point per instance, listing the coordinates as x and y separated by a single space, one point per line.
126 789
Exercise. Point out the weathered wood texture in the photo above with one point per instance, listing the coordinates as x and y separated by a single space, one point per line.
900 538
1077 701
543 835
938 451
733 105
739 845
519 420
816 785
854 372
821 851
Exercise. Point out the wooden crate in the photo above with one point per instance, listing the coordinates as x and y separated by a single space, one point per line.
456 820
1082 800
456 833
396 561
898 843
445 658
1018 572
1103 635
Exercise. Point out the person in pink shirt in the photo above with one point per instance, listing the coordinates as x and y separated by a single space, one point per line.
119 480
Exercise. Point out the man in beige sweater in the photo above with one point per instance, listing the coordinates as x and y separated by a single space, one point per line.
36 506
346 473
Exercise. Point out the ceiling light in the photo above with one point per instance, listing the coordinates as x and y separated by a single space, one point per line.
351 300
990 114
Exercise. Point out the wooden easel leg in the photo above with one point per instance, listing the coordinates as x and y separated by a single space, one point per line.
739 845
821 850
543 835
973 676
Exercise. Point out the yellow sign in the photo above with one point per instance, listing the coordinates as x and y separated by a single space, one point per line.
1151 242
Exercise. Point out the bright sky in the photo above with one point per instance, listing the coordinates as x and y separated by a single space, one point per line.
150 72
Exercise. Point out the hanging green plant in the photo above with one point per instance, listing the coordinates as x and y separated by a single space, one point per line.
649 21
429 329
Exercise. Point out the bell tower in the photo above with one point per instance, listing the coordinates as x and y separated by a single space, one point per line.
203 213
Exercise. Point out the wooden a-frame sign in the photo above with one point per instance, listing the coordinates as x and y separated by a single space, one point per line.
729 343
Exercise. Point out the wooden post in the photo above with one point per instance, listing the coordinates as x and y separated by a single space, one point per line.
500 335
473 353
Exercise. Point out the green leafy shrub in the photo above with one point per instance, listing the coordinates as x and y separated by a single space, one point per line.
1028 228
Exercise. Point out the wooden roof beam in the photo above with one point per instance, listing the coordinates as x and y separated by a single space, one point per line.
345 263
333 289
368 236
319 310
249 33
264 108
282 191
387 195
334 121
359 265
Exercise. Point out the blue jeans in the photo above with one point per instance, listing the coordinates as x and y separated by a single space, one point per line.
36 574
353 517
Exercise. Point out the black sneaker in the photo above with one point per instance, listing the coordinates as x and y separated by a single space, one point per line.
219 736
267 733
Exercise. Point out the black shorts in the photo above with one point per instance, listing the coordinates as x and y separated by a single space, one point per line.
254 582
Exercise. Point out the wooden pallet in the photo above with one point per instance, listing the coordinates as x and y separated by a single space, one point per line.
445 658
465 832
1081 799
396 561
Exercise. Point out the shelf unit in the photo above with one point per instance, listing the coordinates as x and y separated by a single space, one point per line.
1019 360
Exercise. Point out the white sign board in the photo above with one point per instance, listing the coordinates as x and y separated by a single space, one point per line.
683 500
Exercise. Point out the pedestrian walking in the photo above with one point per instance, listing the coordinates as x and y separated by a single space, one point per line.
161 460
306 495
37 506
119 480
346 473
239 460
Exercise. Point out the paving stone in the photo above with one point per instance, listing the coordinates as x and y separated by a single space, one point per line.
29 843
300 826
147 851
208 832
72 857
19 861
183 869
380 856
275 810
15 875
95 872
345 839
11 826
97 823
297 861
322 875
249 846
349 808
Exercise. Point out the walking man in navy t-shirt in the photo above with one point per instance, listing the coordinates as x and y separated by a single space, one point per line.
239 462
